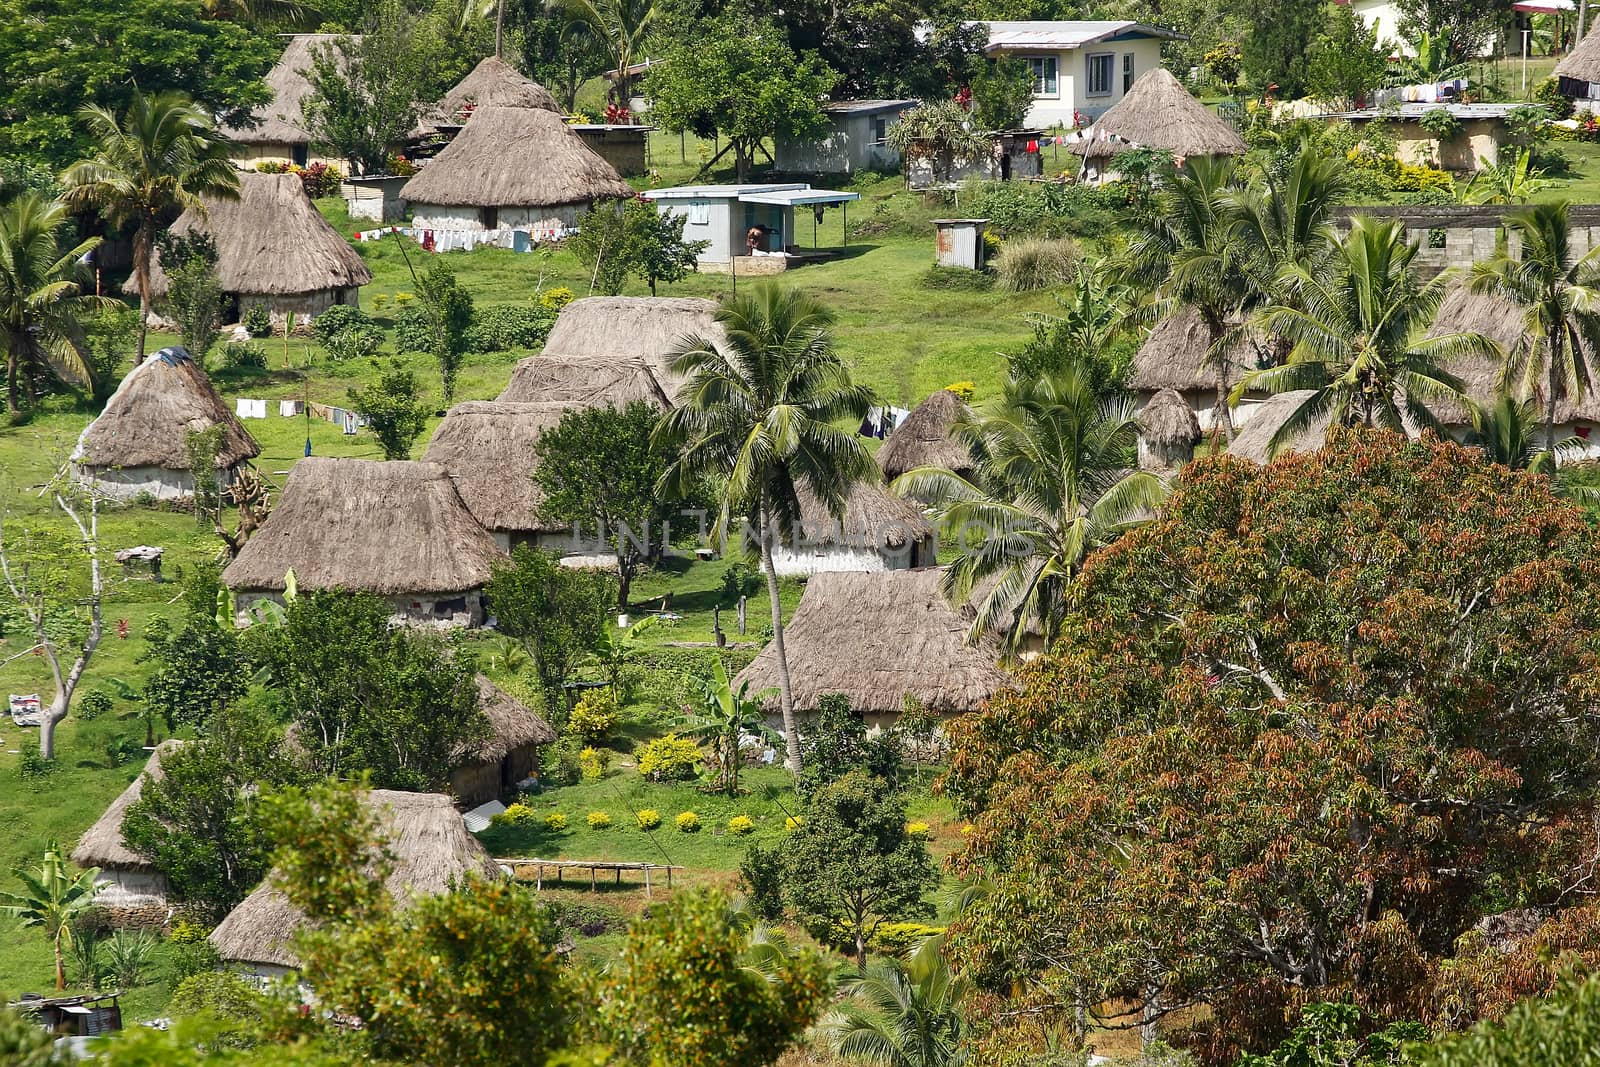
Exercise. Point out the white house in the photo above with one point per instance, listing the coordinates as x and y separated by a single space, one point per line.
857 139
1079 68
724 215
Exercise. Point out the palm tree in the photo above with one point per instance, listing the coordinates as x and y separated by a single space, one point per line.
148 166
903 1013
1186 249
1512 181
1051 482
619 26
1359 338
1505 431
480 9
727 716
1287 219
1558 293
51 899
760 412
41 304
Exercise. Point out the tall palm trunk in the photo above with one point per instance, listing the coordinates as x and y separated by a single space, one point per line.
1550 400
61 965
1214 332
142 241
791 734
11 378
499 24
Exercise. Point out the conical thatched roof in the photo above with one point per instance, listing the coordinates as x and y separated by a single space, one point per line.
650 328
1583 62
1158 112
389 528
147 421
487 447
516 157
1168 421
585 381
102 844
872 518
1254 439
272 240
281 121
493 83
1174 356
431 847
874 637
512 724
925 439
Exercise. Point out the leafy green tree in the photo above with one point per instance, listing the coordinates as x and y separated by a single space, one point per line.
683 992
365 89
393 407
43 308
1095 320
762 412
449 308
555 58
1360 339
148 165
200 668
1357 615
53 897
558 613
1052 481
56 57
1332 1035
23 1043
598 471
1346 61
329 850
840 743
660 252
616 27
194 293
1541 1031
850 865
1002 93
940 129
1273 48
1285 218
1557 291
726 717
738 79
1453 30
909 1013
367 696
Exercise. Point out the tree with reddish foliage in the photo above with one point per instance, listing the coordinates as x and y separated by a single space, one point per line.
1300 733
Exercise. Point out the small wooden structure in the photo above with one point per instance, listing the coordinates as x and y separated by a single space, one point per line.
959 243
130 558
84 1015
594 867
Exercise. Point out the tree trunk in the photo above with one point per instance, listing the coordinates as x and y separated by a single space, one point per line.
1550 401
141 273
61 966
741 160
11 382
499 24
1215 330
861 951
624 584
1583 16
791 734
1149 1032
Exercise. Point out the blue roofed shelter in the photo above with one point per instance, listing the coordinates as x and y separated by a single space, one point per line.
724 215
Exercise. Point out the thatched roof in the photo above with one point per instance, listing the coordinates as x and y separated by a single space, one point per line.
1168 420
389 528
1158 112
1583 62
281 121
487 446
272 240
925 439
634 327
516 157
585 381
874 637
512 724
872 518
147 420
431 847
102 844
492 83
1254 439
1173 356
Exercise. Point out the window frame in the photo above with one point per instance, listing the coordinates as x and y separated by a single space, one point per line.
1110 60
1046 69
1127 72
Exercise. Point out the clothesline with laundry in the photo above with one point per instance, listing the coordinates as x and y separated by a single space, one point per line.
435 240
347 420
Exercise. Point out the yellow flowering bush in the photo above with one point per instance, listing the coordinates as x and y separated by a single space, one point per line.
918 829
649 818
793 822
595 716
592 762
670 758
555 822
741 825
557 298
688 822
515 815
964 390
599 820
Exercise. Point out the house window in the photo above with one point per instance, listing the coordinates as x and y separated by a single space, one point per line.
299 154
1099 74
1044 75
880 129
699 212
1127 71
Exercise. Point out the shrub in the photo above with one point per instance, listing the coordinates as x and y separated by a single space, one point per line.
557 298
595 715
957 279
593 762
649 818
965 390
501 327
599 820
688 822
31 764
185 959
669 759
793 822
129 956
272 166
895 938
740 579
93 704
761 871
587 919
515 815
741 825
257 320
1033 263
1548 93
337 319
568 768
124 750
358 342
242 355
413 327
918 829
321 180
555 822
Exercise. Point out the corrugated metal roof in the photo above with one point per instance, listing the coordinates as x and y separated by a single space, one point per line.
1068 34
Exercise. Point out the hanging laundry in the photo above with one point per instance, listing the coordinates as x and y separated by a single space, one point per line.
250 409
290 408
321 411
350 423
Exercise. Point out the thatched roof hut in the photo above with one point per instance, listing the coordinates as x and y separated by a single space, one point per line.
585 381
487 448
1580 68
925 438
139 443
398 529
878 531
281 121
1168 432
272 244
492 83
634 327
876 638
1254 439
1173 356
431 848
102 844
507 755
1158 112
511 166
